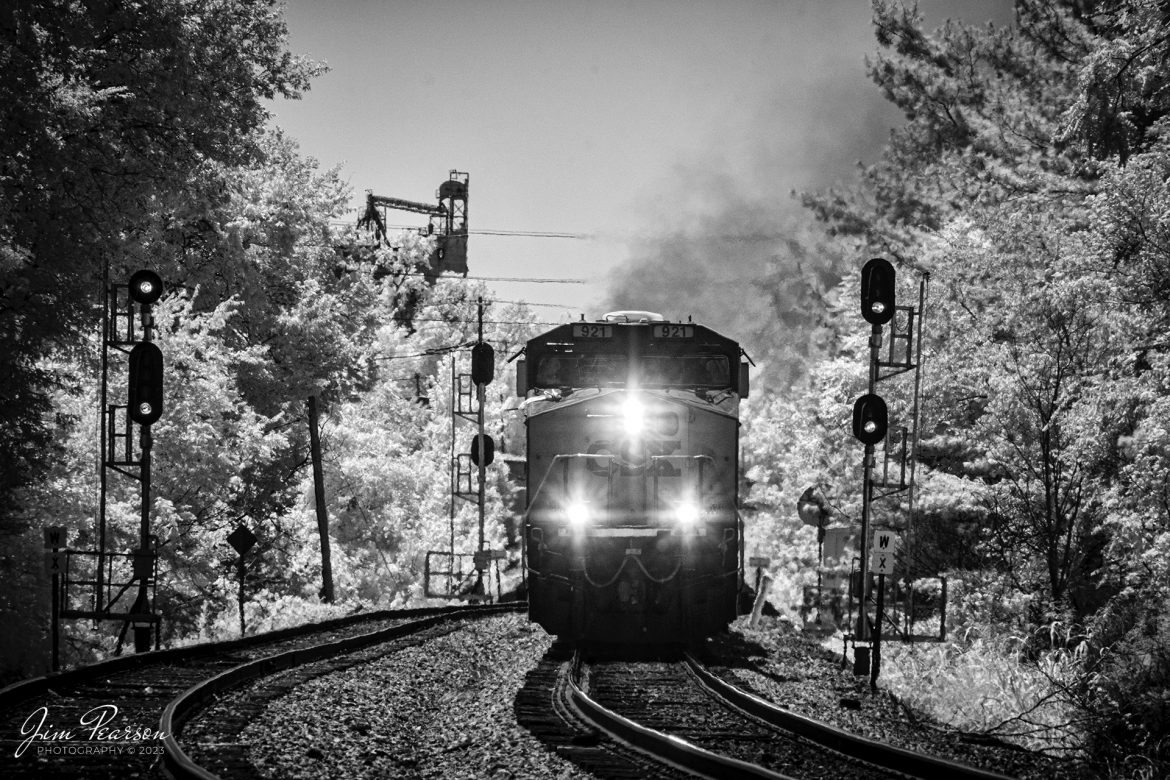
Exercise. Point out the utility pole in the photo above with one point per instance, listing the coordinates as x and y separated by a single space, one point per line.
319 496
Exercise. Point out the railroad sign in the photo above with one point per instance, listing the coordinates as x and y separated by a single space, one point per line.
55 536
484 558
241 539
881 552
55 562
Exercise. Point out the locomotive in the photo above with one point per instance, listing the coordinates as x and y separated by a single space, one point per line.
631 529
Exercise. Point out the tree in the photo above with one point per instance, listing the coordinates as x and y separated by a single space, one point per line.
110 109
1029 180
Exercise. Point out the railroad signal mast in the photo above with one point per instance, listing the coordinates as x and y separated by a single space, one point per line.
472 585
127 328
870 426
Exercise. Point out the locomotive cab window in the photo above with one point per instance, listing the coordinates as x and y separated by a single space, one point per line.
662 371
554 371
707 371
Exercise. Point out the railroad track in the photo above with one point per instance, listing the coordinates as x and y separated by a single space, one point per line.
120 718
617 716
546 708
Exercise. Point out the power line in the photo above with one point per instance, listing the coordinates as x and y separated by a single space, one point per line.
488 231
666 234
485 322
448 349
529 279
512 233
530 303
428 353
526 279
530 234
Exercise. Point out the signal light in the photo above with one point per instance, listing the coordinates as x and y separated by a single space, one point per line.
146 287
145 390
489 450
870 419
877 291
483 363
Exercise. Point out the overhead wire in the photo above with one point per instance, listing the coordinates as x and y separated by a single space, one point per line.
485 322
530 303
512 233
428 352
745 235
487 231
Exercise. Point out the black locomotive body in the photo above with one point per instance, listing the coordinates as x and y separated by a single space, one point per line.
632 533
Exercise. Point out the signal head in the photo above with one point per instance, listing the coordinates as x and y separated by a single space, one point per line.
870 419
145 387
146 287
483 365
877 291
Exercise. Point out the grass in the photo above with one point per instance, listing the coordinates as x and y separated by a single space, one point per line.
988 686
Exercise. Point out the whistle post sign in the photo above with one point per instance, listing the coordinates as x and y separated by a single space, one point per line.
882 551
55 536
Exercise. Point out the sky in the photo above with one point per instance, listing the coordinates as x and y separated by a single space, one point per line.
612 121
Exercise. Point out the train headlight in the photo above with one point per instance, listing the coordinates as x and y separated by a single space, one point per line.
687 514
634 416
577 514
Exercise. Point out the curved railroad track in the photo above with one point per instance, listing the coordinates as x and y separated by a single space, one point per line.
119 718
618 715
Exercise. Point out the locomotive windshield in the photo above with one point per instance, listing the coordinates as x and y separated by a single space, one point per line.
660 371
656 355
707 371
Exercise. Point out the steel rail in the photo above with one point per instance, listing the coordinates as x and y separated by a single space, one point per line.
666 748
179 766
862 748
35 686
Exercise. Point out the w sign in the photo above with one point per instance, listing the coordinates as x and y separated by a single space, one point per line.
881 552
55 536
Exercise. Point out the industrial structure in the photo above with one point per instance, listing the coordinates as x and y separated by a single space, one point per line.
448 223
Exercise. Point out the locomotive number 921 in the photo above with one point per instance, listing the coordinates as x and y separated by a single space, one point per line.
631 529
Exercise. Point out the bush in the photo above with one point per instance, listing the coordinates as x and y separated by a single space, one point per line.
1127 689
987 682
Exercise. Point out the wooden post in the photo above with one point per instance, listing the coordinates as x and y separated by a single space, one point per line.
142 569
761 597
319 494
875 669
55 606
242 571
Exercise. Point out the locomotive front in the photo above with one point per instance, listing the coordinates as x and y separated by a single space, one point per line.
631 529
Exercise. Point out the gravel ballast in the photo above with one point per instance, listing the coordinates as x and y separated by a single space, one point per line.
444 707
441 709
793 671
